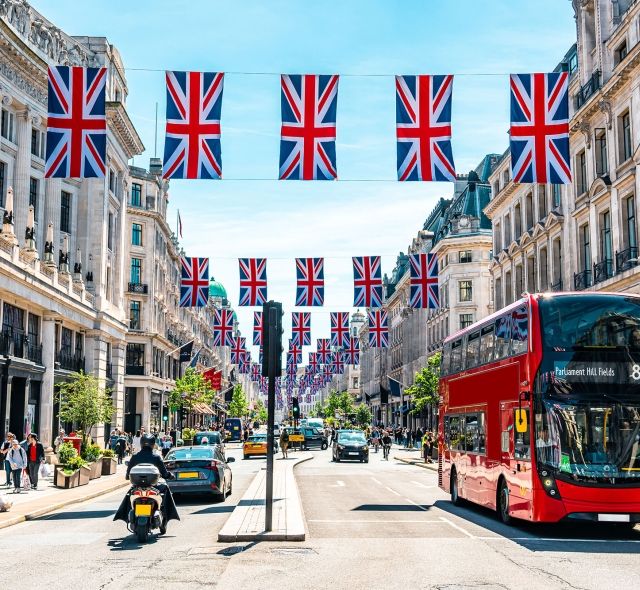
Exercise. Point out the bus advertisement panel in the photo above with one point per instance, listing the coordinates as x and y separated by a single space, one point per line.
540 409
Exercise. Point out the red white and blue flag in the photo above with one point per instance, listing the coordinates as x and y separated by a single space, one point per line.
339 328
301 328
378 329
76 123
423 291
308 134
296 351
351 354
337 366
194 282
253 281
255 371
423 128
539 132
310 278
367 281
192 140
238 350
257 328
313 362
223 327
323 349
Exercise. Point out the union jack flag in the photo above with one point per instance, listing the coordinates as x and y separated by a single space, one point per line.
292 367
323 349
257 328
310 277
424 281
223 327
253 281
313 362
367 281
339 328
301 328
238 350
295 350
352 351
192 140
76 122
378 329
337 366
539 133
244 367
423 128
308 135
194 282
255 371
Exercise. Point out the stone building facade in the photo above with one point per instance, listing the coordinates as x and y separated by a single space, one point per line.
61 309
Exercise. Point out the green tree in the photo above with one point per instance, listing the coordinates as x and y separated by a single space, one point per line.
346 403
318 411
260 412
84 402
191 389
424 391
238 406
363 415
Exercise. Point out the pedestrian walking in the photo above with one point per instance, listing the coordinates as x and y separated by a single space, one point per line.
4 449
284 442
121 448
135 443
59 440
35 458
18 461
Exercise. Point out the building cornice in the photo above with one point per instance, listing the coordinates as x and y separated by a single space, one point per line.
123 128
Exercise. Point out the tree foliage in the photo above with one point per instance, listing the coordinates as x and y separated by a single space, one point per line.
191 389
238 406
363 415
317 411
342 403
260 412
84 403
424 391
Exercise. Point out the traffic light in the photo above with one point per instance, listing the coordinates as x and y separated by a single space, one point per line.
183 414
272 321
295 407
165 414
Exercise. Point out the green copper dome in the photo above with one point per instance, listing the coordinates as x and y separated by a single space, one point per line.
216 289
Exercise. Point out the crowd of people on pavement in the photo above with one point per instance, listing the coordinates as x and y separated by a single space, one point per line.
22 461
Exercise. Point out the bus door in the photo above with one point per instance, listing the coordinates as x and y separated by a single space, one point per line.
515 452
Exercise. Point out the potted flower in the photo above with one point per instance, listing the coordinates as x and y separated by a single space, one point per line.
109 463
84 471
187 436
92 455
63 473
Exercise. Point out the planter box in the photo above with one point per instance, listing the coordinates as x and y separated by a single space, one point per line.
109 465
96 469
85 475
61 480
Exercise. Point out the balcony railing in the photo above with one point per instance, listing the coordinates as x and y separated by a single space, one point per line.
135 370
138 288
34 353
626 259
18 346
582 280
602 270
588 90
556 286
70 361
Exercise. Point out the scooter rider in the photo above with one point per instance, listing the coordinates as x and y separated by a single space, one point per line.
146 455
386 444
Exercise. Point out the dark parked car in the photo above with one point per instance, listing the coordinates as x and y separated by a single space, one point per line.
350 444
201 469
314 438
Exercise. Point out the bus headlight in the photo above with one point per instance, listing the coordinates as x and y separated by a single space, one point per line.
549 484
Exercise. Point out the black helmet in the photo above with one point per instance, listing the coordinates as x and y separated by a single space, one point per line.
147 440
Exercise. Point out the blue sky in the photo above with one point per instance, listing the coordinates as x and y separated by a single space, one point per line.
369 215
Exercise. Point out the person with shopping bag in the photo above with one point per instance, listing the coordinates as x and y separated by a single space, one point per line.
35 457
18 461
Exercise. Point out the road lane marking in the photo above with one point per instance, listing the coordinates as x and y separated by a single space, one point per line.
416 504
393 491
338 484
455 526
376 481
418 483
378 521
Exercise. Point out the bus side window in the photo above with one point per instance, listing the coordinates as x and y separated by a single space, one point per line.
471 432
446 359
519 330
473 350
503 336
479 445
456 356
522 440
455 433
486 344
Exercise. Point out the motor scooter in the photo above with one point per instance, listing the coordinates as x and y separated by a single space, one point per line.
145 498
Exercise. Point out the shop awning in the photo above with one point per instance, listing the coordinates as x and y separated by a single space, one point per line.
201 408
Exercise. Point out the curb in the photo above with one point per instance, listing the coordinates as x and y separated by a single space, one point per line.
53 507
295 535
429 466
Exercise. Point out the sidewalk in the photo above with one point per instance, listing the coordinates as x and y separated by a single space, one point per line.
246 522
417 460
47 498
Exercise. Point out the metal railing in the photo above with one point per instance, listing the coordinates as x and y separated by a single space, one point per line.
138 288
602 270
588 90
582 280
134 370
70 361
18 346
626 259
557 286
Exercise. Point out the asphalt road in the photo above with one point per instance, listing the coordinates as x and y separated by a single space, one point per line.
377 525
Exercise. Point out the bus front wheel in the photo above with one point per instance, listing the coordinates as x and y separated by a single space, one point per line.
455 496
503 503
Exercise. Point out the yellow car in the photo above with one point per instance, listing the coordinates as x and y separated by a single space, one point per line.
255 445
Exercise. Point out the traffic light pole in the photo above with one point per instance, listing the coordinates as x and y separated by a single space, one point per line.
273 344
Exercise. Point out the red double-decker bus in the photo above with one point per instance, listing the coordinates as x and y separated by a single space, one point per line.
540 410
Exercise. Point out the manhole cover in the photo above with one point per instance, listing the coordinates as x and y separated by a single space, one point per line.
294 551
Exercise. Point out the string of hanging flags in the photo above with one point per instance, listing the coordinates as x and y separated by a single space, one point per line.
76 126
